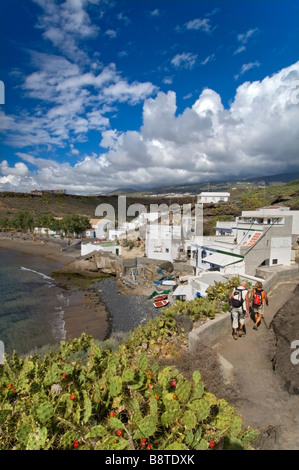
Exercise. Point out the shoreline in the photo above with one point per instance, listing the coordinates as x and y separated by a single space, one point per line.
84 301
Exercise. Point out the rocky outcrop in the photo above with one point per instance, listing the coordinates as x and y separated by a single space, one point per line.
285 326
87 268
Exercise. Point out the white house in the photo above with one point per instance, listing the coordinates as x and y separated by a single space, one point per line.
213 256
44 231
263 237
224 228
171 239
212 197
163 242
99 228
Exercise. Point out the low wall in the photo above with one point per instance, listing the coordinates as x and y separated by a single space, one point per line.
212 331
273 275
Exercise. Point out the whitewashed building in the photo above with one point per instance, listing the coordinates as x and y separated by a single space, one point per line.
263 237
213 256
164 242
99 228
209 197
172 241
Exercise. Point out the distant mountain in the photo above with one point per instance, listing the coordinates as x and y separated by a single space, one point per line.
120 191
276 179
196 188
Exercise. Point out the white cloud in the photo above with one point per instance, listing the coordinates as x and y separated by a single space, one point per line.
244 38
19 169
199 24
155 12
256 135
246 67
111 33
67 23
208 59
185 60
240 49
71 102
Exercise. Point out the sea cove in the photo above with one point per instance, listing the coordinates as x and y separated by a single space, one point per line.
36 309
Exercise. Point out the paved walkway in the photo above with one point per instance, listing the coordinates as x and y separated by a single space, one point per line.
262 400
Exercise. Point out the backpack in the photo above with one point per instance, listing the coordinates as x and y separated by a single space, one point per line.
237 300
258 298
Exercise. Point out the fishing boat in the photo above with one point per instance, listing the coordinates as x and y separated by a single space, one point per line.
157 298
168 282
161 303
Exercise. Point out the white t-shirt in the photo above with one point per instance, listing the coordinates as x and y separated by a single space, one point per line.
244 293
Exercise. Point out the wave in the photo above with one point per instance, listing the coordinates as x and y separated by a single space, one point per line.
58 325
36 272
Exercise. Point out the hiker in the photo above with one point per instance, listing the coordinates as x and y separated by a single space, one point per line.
239 301
258 299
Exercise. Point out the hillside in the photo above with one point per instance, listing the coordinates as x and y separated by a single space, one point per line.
60 205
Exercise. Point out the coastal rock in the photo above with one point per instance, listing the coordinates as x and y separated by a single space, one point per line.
81 267
285 326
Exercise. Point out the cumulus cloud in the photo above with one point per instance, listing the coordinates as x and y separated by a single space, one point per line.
256 135
19 169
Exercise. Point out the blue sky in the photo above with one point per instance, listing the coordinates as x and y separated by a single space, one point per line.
103 94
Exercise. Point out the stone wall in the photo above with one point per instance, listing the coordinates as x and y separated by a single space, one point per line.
212 331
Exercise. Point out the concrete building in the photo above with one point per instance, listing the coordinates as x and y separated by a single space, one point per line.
216 256
164 242
258 238
265 236
209 197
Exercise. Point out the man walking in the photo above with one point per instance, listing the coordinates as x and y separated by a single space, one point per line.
258 299
239 301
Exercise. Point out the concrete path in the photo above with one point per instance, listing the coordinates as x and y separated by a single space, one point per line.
262 400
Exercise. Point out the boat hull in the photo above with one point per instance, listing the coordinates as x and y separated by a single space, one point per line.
161 303
157 298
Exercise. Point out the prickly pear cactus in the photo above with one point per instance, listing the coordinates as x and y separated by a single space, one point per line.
86 397
45 412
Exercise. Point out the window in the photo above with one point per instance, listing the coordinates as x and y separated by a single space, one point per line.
275 261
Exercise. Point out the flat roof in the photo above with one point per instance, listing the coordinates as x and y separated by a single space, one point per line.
207 193
222 260
182 290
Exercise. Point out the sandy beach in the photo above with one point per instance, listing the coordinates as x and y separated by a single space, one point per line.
85 313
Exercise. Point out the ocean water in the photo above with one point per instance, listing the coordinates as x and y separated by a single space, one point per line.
31 303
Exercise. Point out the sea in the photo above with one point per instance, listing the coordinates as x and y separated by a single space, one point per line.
31 302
